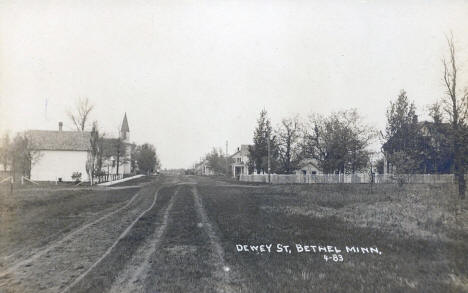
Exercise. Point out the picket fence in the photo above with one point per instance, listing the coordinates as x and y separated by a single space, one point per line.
107 178
351 178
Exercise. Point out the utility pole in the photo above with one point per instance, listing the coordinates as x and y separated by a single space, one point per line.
269 166
226 158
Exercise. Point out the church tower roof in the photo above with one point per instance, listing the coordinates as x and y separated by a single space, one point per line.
125 127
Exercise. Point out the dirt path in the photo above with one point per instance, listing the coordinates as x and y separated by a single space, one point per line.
69 237
109 250
136 271
183 238
59 263
169 247
223 270
182 252
32 222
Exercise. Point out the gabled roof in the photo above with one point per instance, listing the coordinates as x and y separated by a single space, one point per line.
59 140
426 126
125 127
308 162
243 150
109 146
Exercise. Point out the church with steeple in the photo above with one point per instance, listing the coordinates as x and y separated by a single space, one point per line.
62 155
125 137
118 151
125 130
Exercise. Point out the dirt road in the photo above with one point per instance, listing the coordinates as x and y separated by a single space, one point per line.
180 234
125 248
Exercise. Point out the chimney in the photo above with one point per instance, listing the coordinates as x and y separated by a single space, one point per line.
60 125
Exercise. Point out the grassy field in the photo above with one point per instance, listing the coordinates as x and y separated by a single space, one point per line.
184 234
423 249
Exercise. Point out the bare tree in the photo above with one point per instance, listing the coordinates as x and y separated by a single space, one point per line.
101 155
435 112
456 107
5 146
23 155
119 148
82 109
339 142
93 152
288 134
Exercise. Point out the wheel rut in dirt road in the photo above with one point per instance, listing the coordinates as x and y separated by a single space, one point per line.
69 237
32 222
223 270
132 277
190 256
52 268
114 266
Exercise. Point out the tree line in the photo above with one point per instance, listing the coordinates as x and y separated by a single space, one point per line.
217 161
338 143
341 142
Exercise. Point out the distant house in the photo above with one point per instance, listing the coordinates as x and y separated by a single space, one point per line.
240 161
435 149
203 168
309 167
61 153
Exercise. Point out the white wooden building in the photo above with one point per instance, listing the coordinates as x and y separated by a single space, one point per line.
309 167
240 161
59 154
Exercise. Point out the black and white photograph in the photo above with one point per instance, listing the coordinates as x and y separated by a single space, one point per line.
233 146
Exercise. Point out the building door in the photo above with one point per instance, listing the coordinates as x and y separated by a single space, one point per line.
238 171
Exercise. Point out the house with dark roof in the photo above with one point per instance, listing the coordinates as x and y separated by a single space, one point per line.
60 154
308 167
434 150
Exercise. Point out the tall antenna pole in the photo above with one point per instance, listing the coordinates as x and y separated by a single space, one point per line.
227 165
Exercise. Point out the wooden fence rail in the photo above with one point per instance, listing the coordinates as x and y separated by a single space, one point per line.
351 178
107 178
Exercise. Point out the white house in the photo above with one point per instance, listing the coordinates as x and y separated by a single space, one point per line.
61 153
203 168
241 160
308 167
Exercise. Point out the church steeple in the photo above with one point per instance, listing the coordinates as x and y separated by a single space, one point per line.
125 130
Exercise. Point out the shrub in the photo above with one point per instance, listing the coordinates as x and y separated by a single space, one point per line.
76 176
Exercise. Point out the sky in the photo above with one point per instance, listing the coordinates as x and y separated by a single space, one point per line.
192 75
